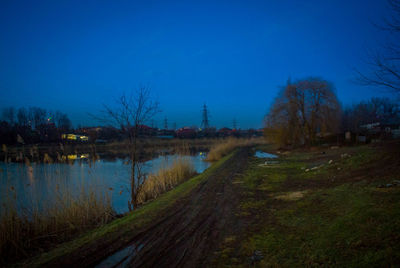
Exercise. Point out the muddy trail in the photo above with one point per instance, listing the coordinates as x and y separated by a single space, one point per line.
184 236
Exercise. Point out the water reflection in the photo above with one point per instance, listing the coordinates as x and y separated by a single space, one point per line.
34 183
74 156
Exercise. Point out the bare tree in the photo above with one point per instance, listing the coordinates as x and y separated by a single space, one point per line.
301 111
8 115
23 117
62 121
130 113
385 63
37 116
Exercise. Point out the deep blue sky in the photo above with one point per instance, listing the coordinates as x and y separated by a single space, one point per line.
232 55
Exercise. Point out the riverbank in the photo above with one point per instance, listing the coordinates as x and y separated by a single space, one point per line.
101 242
332 206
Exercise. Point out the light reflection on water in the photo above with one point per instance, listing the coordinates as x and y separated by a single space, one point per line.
38 181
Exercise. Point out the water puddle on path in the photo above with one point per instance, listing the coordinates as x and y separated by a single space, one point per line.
267 156
121 258
261 154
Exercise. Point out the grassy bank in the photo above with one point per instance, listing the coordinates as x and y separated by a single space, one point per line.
127 226
327 207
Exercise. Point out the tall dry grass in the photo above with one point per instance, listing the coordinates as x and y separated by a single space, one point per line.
166 178
24 232
227 146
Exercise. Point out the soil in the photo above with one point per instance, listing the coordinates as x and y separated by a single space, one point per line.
184 236
189 233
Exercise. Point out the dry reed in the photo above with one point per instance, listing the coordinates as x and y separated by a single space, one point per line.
26 232
166 178
222 149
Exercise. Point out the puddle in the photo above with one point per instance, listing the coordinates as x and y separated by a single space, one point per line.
121 258
261 154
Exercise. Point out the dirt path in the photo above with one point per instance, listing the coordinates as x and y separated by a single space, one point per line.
184 236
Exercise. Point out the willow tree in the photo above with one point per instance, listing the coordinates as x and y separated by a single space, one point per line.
130 113
302 111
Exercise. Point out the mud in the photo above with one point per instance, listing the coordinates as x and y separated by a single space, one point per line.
184 236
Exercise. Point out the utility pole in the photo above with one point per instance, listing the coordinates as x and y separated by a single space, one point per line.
174 126
205 122
165 123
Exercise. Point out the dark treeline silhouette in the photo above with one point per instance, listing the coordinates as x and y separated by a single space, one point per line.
32 125
307 112
384 111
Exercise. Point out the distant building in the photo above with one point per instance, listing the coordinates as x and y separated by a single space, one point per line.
74 137
146 131
186 132
371 126
226 132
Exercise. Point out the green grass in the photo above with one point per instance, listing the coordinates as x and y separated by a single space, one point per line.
145 214
268 178
349 224
342 226
341 220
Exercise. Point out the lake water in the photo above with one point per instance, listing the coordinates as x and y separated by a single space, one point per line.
39 181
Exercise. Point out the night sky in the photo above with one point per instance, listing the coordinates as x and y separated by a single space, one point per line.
231 55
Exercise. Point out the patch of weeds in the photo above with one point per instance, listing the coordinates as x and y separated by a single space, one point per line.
341 226
252 204
254 175
272 180
349 225
360 157
290 196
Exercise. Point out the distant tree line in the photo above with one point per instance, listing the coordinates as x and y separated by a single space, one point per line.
32 125
377 110
307 112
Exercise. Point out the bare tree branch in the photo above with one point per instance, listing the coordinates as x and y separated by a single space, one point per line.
385 64
130 113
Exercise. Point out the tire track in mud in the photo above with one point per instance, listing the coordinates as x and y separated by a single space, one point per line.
190 236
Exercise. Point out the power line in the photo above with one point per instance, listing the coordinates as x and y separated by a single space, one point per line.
205 122
165 123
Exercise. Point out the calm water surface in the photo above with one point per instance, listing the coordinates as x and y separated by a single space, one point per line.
41 181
